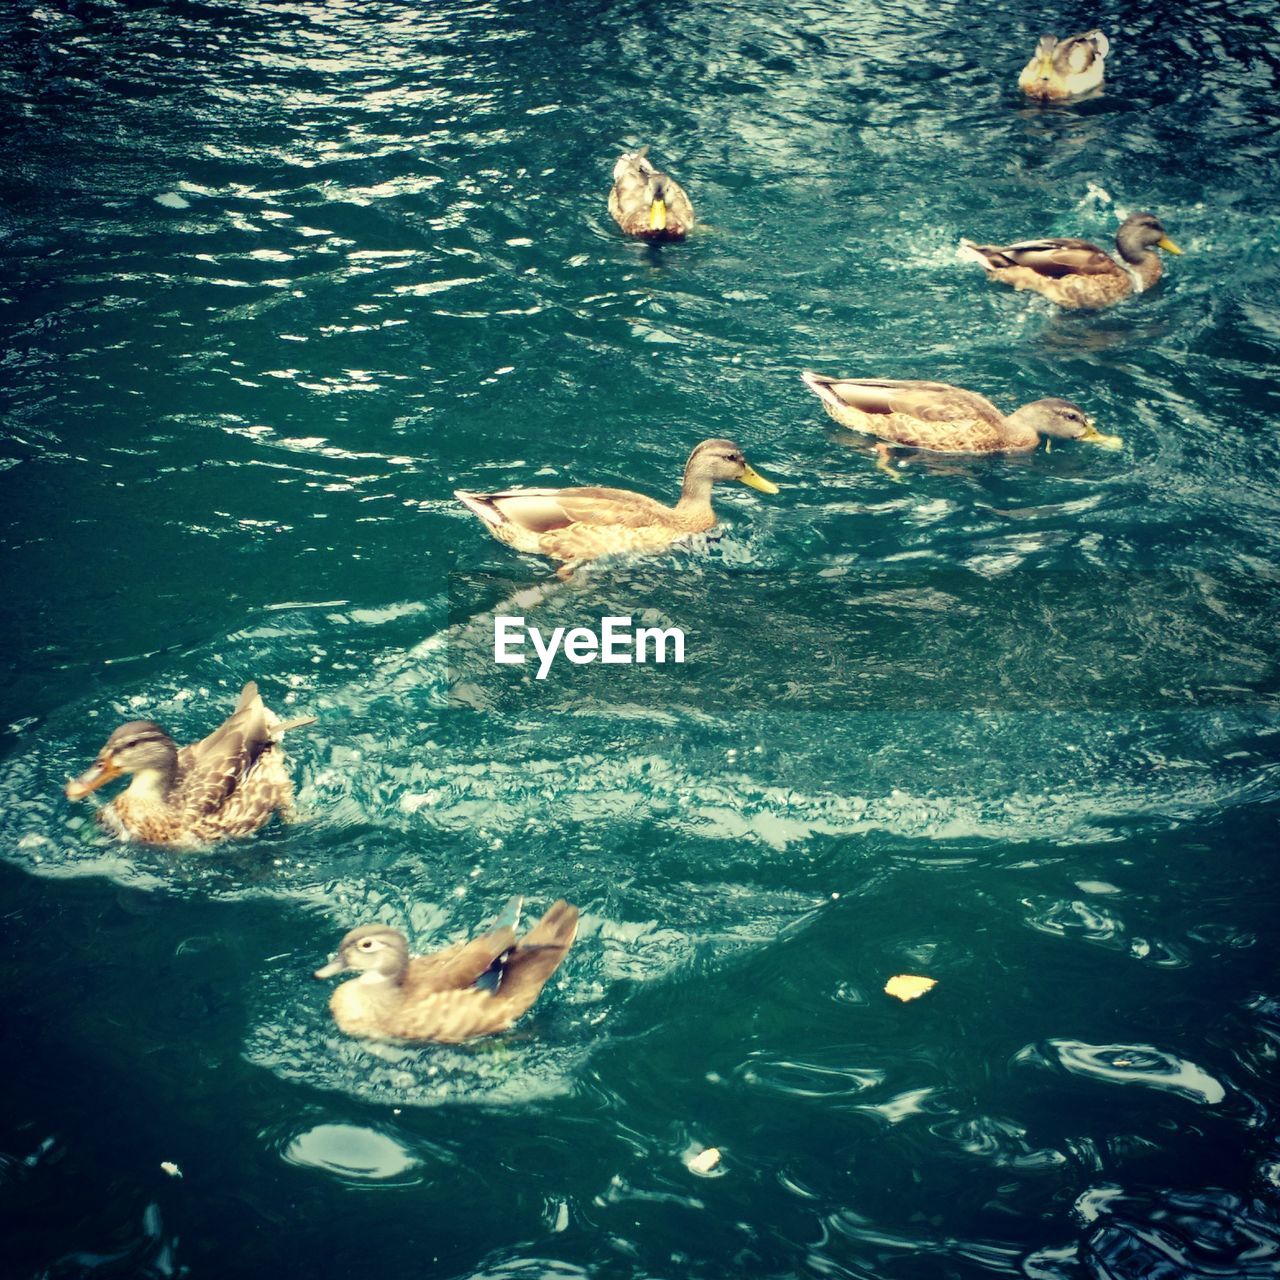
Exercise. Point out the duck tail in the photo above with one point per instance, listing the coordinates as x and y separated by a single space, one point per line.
481 504
298 722
250 697
509 916
538 956
986 256
821 387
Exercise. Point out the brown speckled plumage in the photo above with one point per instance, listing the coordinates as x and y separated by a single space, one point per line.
1075 273
471 989
225 785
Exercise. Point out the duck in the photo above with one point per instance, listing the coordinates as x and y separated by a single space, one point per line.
944 419
577 525
1074 273
647 203
226 785
470 989
1067 68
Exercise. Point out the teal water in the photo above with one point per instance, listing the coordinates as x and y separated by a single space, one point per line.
278 277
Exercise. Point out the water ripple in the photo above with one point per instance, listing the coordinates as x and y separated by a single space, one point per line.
1128 1064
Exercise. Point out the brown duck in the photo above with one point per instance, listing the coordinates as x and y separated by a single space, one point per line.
471 989
228 784
947 419
1075 273
575 525
647 203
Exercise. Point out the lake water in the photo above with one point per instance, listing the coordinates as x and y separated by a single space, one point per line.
277 278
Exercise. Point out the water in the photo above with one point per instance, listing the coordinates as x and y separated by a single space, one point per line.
277 277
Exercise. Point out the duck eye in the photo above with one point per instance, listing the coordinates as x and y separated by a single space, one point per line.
366 944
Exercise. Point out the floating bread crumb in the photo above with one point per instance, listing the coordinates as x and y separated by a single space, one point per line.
908 986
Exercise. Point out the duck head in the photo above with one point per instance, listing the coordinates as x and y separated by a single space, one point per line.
1062 420
1140 232
140 747
375 951
716 460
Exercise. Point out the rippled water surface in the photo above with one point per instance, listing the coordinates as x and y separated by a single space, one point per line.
276 277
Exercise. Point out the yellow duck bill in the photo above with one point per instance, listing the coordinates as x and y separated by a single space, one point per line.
751 477
1093 436
1168 246
658 215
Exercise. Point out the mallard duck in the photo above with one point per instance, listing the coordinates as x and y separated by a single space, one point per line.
947 419
228 784
1075 273
647 203
574 525
470 989
1065 68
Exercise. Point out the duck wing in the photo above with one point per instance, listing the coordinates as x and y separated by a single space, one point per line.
453 1015
679 206
214 767
460 967
632 191
526 970
545 510
249 698
924 401
1056 257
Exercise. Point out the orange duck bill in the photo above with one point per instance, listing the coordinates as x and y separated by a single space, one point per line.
101 770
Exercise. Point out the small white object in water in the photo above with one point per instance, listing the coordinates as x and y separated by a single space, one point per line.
172 200
171 1169
704 1161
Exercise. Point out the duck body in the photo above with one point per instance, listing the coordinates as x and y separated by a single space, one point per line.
471 989
1063 69
944 419
647 203
576 525
1075 273
227 785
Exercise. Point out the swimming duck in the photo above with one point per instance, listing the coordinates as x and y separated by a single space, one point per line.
947 419
1065 68
470 989
1075 273
228 784
647 203
575 525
